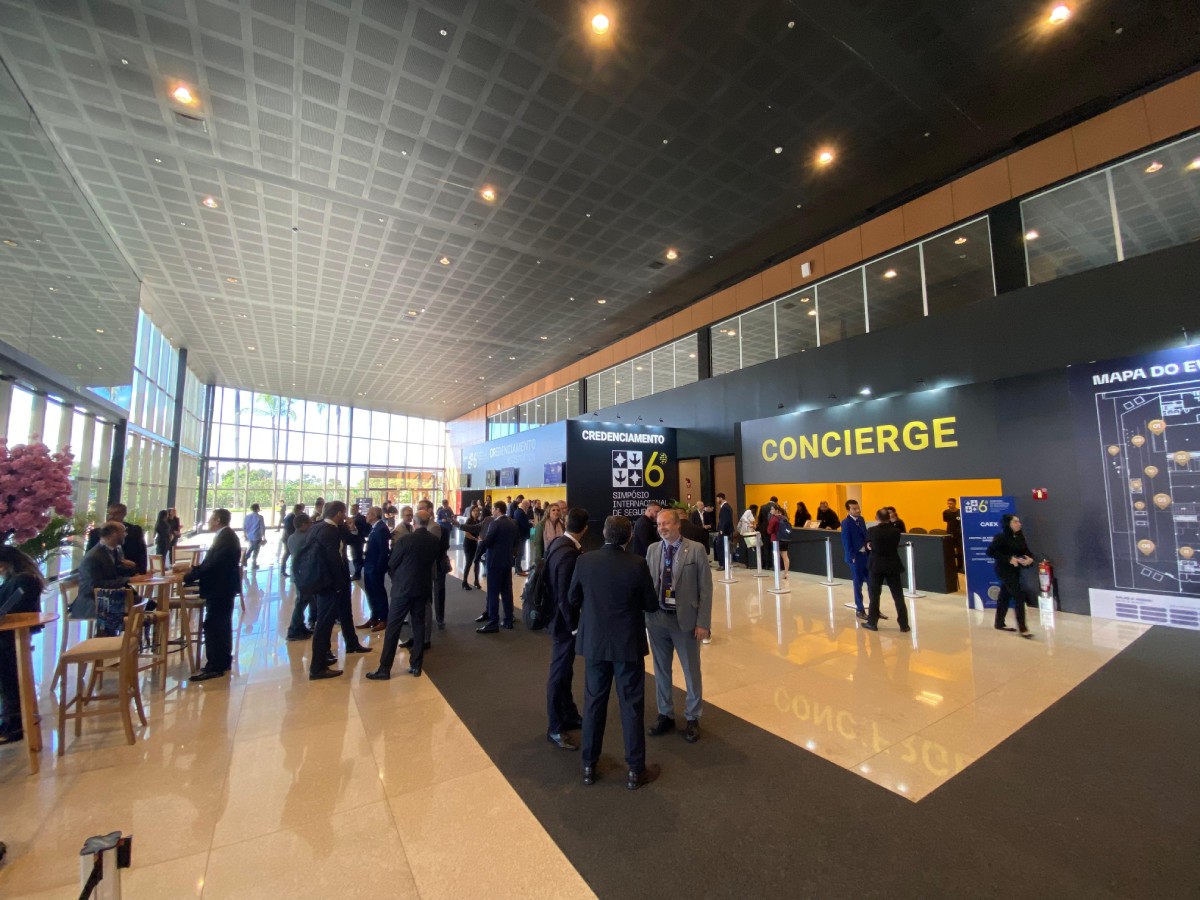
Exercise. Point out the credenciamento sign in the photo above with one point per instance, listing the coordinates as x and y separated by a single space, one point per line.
616 469
931 435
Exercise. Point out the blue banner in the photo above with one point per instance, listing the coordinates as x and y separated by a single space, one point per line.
980 523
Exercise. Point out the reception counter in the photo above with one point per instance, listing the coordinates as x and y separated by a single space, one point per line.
933 558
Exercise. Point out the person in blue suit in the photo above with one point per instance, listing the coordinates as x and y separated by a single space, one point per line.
856 552
375 566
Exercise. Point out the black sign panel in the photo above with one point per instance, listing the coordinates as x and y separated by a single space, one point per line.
931 435
615 469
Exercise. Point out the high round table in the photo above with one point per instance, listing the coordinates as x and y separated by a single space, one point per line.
22 625
164 583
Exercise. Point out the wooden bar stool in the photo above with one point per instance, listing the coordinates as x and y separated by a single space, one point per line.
106 655
66 594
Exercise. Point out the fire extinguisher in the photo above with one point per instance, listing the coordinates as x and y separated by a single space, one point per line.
1046 581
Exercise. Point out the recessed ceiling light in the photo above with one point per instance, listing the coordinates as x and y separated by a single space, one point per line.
672 253
1194 164
54 289
232 280
825 157
1059 14
866 392
443 32
183 94
210 202
395 340
158 159
778 150
251 347
488 193
666 140
1153 167
243 316
543 338
601 301
480 378
960 240
1032 235
412 313
8 242
639 368
691 356
512 358
445 260
99 331
890 273
812 312
124 61
600 23
732 332
806 299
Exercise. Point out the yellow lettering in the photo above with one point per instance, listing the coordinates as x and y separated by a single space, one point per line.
781 692
783 448
796 708
939 766
825 443
877 739
943 432
808 446
916 436
862 440
845 724
910 750
886 434
827 717
772 457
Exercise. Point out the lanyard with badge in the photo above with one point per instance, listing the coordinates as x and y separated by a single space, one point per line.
668 588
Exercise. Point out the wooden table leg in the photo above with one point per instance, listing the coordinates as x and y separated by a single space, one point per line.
33 731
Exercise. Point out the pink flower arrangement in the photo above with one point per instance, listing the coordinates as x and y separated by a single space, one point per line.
34 484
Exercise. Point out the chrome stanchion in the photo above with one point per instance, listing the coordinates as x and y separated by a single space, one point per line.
828 582
758 572
912 573
728 579
777 589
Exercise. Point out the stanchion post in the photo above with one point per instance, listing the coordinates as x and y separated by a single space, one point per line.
912 572
829 582
758 572
728 579
777 589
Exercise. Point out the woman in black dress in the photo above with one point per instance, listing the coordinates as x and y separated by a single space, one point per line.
1011 553
21 593
162 534
470 530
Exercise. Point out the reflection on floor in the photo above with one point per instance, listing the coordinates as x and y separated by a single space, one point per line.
266 774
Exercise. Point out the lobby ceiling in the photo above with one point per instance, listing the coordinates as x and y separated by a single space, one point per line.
349 254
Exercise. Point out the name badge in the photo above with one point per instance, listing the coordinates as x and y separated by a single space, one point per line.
669 598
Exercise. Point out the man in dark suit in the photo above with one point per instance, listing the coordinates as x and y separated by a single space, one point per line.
562 554
413 559
614 591
289 528
102 567
855 552
645 530
499 544
694 531
375 561
220 577
724 529
133 544
442 532
884 565
524 528
332 598
357 529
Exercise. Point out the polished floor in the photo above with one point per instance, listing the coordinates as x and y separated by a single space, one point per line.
236 788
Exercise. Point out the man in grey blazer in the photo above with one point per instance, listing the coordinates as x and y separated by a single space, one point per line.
683 585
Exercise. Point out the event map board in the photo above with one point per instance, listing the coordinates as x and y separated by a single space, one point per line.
1138 426
616 469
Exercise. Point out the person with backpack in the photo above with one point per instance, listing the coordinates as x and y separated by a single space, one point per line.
559 565
320 568
779 529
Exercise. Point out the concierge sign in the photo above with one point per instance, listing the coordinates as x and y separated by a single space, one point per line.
932 435
616 469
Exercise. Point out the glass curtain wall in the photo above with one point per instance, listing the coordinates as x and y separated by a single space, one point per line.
670 366
278 451
938 274
150 432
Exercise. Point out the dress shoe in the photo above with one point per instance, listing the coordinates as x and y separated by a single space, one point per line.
870 626
507 626
204 675
860 614
589 774
487 629
441 626
691 734
478 586
406 644
426 645
664 725
466 587
361 648
562 742
379 675
1005 628
1027 634
370 623
573 725
882 616
414 671
482 618
905 629
330 659
300 636
326 673
12 737
647 775
381 625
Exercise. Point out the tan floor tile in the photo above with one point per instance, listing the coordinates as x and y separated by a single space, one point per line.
281 706
514 855
319 859
284 780
914 767
176 878
422 744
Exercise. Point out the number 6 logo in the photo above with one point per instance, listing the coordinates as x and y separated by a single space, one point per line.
654 471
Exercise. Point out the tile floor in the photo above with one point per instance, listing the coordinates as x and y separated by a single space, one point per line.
236 787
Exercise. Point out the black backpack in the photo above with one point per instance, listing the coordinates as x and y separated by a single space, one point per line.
537 599
308 565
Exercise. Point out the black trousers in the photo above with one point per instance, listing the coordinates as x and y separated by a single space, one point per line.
499 590
10 688
630 677
218 633
561 710
875 581
400 608
439 596
519 555
471 555
332 606
296 625
376 590
356 554
719 549
1011 590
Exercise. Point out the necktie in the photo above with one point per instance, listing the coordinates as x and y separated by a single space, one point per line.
668 563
